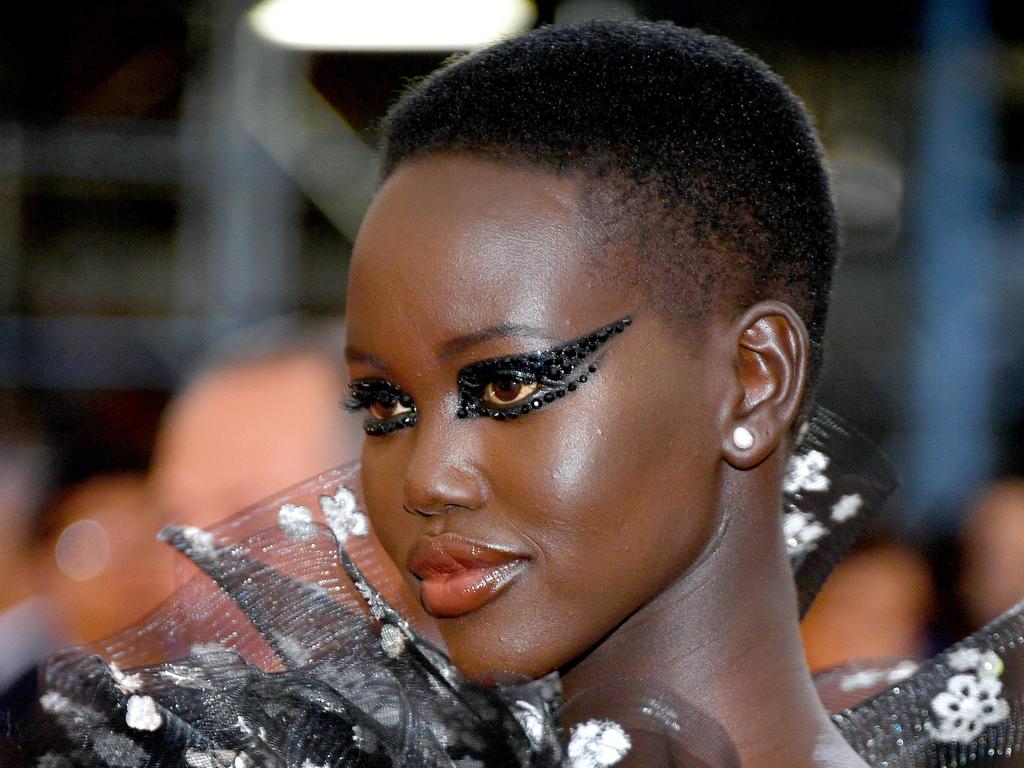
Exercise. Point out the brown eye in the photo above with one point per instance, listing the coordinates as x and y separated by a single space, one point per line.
508 391
383 410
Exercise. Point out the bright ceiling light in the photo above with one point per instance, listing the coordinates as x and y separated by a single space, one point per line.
390 25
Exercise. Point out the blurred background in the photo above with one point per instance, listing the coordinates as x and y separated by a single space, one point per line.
180 185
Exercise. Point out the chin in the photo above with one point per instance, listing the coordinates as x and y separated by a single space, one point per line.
490 648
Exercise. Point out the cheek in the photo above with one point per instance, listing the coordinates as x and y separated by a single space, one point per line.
614 497
618 498
381 474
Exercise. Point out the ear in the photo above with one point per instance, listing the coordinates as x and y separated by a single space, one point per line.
772 349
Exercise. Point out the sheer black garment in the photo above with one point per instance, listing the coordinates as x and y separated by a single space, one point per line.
295 647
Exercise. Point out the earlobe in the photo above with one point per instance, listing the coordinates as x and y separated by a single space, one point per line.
771 352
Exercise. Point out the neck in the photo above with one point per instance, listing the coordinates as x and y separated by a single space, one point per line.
724 638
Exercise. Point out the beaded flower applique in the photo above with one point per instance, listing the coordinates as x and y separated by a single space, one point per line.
971 701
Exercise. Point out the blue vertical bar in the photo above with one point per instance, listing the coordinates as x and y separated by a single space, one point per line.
953 370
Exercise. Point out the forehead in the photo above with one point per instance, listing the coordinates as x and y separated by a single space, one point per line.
453 243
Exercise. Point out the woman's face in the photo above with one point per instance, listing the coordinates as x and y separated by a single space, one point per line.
530 538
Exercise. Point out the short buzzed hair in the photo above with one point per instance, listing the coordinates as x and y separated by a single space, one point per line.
716 173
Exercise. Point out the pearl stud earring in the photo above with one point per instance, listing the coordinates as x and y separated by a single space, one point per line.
743 438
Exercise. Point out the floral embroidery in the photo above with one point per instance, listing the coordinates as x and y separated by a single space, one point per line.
967 707
847 507
342 516
125 683
982 663
971 702
199 541
868 678
53 702
801 531
142 714
392 640
296 521
806 472
597 744
68 712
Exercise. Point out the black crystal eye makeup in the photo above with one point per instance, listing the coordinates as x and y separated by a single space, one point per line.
514 385
501 388
387 407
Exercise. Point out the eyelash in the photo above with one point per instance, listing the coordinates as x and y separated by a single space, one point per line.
553 371
365 393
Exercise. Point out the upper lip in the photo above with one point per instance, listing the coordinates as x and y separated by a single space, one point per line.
450 553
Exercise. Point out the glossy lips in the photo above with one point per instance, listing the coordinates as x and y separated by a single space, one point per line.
459 575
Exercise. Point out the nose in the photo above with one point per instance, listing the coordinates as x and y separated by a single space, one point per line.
442 474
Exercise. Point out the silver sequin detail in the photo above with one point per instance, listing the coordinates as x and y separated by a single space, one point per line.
342 516
967 707
982 663
200 542
214 758
531 719
295 652
365 741
118 751
205 649
56 703
392 640
597 744
806 472
247 730
185 677
869 678
387 713
801 531
70 713
125 683
296 521
142 714
847 507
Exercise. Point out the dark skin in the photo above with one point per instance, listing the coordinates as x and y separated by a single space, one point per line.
653 543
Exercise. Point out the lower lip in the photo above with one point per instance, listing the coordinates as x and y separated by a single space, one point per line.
459 593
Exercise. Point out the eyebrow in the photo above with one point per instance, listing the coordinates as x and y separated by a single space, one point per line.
354 355
466 341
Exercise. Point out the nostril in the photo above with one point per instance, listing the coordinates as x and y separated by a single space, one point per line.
418 511
433 511
441 487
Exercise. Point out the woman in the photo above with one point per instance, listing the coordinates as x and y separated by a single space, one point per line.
541 192
585 315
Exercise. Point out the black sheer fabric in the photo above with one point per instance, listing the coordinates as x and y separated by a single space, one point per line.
282 653
962 707
837 480
296 646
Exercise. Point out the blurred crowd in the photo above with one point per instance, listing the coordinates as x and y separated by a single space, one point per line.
82 561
